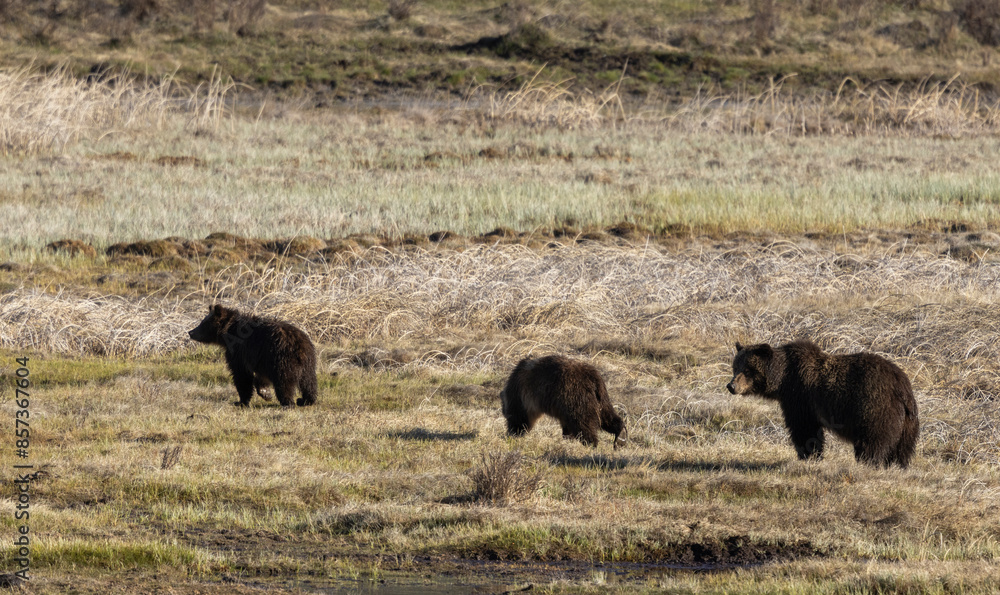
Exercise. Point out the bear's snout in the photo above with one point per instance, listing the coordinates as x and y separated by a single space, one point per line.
732 389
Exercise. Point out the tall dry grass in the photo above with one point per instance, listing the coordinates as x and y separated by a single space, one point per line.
44 112
949 108
499 303
540 102
106 325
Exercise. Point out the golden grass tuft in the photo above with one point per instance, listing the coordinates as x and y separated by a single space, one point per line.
951 109
539 102
44 112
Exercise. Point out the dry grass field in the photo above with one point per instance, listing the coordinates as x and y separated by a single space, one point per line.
644 240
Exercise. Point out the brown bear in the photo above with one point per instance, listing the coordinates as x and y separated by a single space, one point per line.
262 352
571 391
863 398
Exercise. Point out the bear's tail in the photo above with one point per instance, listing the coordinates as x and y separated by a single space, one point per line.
908 439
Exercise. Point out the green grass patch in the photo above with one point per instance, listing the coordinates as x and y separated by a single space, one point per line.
111 555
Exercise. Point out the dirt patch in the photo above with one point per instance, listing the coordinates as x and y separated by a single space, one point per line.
295 246
422 434
222 238
231 540
171 263
225 255
732 552
189 248
738 550
175 160
628 231
154 248
118 156
439 156
499 233
73 248
14 267
409 239
532 42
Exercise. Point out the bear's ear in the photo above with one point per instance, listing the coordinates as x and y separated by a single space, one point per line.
766 350
739 347
216 310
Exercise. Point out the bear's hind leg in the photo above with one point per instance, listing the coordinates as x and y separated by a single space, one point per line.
873 452
307 384
284 391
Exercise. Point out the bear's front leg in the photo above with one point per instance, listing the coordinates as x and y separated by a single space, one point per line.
518 422
808 439
244 386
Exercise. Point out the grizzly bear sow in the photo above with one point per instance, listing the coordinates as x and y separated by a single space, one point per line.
261 352
571 391
863 398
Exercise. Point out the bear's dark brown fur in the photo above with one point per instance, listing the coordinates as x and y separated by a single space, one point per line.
571 391
262 352
862 397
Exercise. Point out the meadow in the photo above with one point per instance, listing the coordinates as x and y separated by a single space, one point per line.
644 238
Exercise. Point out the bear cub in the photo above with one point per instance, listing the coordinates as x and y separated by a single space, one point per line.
571 391
862 398
262 352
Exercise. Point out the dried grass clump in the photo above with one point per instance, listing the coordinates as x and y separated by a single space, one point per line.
502 479
208 103
960 429
171 456
106 326
42 112
948 108
507 300
544 103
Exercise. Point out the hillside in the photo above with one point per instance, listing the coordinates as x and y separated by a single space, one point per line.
667 48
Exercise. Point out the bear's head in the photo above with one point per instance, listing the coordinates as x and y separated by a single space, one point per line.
750 367
214 326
